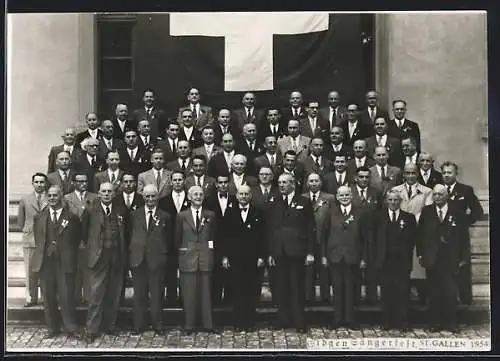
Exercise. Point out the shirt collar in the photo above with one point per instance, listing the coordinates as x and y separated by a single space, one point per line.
110 206
452 187
181 161
62 172
193 211
360 189
230 154
80 194
245 207
380 168
127 195
346 208
390 213
362 159
58 211
263 187
311 194
146 209
90 157
444 209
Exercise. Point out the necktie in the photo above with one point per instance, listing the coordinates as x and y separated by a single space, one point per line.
274 130
448 187
273 162
358 161
113 177
197 220
132 155
150 219
383 173
198 181
183 165
340 180
334 116
317 162
344 211
149 112
440 215
93 161
379 140
426 177
295 113
249 114
314 199
363 198
294 144
39 200
372 114
158 180
64 177
224 130
127 200
174 148
108 211
409 191
266 193
109 144
244 214
54 216
250 145
146 142
393 217
285 199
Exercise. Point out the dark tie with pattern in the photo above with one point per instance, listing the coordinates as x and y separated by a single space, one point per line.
393 216
150 219
440 215
409 192
249 115
317 162
198 221
113 177
266 194
363 198
183 165
314 199
108 211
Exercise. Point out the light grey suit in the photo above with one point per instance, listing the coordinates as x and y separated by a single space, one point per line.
148 177
196 262
78 206
285 144
28 210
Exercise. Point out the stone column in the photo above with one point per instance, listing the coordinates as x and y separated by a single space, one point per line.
437 62
51 85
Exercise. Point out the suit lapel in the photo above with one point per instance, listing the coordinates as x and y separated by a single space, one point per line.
43 226
142 218
190 220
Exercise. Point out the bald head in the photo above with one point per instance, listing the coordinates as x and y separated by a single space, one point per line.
196 196
106 193
239 164
440 195
244 195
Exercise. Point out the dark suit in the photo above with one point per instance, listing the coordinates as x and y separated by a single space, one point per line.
362 131
247 179
156 120
175 166
151 144
291 236
139 164
239 117
221 278
55 179
287 114
299 174
103 177
82 165
394 243
379 113
262 202
243 244
148 257
117 131
263 160
393 177
55 259
168 152
54 151
116 145
231 129
242 147
466 202
435 177
409 128
194 140
208 184
310 166
322 208
80 137
104 237
393 146
322 129
352 167
368 276
265 131
218 165
345 238
330 152
330 183
340 115
167 204
196 262
205 118
442 246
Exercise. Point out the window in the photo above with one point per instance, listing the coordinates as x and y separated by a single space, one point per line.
116 74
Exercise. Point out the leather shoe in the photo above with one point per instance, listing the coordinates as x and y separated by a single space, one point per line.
111 332
30 304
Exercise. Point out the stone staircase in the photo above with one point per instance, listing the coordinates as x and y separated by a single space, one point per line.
478 312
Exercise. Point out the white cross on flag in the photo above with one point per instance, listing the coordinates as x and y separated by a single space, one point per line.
225 54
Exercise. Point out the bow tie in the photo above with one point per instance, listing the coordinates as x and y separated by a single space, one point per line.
244 209
222 196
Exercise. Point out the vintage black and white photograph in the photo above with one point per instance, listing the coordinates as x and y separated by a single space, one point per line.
251 181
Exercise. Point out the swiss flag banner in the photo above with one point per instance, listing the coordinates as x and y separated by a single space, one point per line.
225 54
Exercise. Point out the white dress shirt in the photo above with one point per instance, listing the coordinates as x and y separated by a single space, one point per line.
425 174
58 213
381 139
222 203
312 123
412 159
129 196
80 195
193 213
121 124
132 152
106 206
413 188
346 209
146 139
244 215
452 187
238 179
90 158
196 109
295 142
199 179
68 148
251 111
360 161
63 174
342 177
269 158
229 158
316 159
146 210
178 198
365 191
158 173
263 188
173 143
400 123
188 132
330 117
311 195
390 214
209 148
181 161
444 209
93 133
379 169
337 148
111 172
289 198
352 127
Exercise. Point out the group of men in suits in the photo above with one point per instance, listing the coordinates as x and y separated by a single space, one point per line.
315 195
